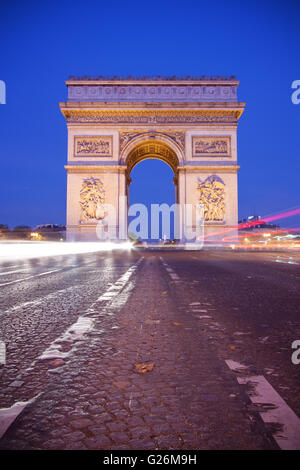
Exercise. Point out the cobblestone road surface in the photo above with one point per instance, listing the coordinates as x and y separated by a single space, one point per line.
181 314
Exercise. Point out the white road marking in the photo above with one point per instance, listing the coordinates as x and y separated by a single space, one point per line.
30 277
276 409
116 288
85 322
263 393
75 332
171 272
2 353
8 415
236 366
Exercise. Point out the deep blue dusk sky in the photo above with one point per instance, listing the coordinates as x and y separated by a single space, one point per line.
43 42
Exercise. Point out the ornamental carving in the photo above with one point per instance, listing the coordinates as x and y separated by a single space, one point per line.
209 146
178 137
212 195
152 116
155 150
92 198
153 92
94 145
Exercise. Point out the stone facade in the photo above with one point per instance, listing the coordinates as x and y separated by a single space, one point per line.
190 123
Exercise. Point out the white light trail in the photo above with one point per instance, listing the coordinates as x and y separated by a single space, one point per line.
26 250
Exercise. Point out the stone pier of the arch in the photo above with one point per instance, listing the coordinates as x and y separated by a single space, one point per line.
114 123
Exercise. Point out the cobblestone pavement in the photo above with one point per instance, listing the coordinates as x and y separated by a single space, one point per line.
167 311
95 398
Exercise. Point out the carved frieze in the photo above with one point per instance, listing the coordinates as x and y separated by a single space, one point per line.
150 93
212 198
87 146
126 137
152 116
92 198
209 146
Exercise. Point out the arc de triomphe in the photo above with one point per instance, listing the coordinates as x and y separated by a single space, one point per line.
114 123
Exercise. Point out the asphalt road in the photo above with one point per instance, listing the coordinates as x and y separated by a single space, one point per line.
214 331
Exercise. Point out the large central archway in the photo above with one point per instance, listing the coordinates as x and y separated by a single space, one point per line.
151 146
154 146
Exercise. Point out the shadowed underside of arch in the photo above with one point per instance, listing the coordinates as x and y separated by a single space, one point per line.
150 149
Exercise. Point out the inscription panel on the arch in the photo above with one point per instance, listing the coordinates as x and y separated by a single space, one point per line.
93 146
211 146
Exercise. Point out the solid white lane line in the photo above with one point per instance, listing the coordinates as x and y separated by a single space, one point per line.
30 277
264 394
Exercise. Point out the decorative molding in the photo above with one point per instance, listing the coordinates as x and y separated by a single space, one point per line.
155 150
92 198
151 116
209 168
152 92
88 146
212 198
211 146
176 136
101 78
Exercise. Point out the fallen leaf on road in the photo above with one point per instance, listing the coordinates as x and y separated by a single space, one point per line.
176 323
152 322
144 367
233 348
57 362
121 384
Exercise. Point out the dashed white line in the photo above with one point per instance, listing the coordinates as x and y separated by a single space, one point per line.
276 410
8 415
75 332
2 353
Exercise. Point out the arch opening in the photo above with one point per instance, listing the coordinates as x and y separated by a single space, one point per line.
152 149
153 168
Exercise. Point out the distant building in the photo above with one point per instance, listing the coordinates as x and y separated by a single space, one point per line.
260 225
51 231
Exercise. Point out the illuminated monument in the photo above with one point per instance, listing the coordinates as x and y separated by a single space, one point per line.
115 123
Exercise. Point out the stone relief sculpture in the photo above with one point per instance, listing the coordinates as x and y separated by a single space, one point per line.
212 195
92 198
178 137
211 146
93 146
86 146
217 146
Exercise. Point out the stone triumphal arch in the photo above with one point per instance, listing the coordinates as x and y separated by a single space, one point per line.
115 123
